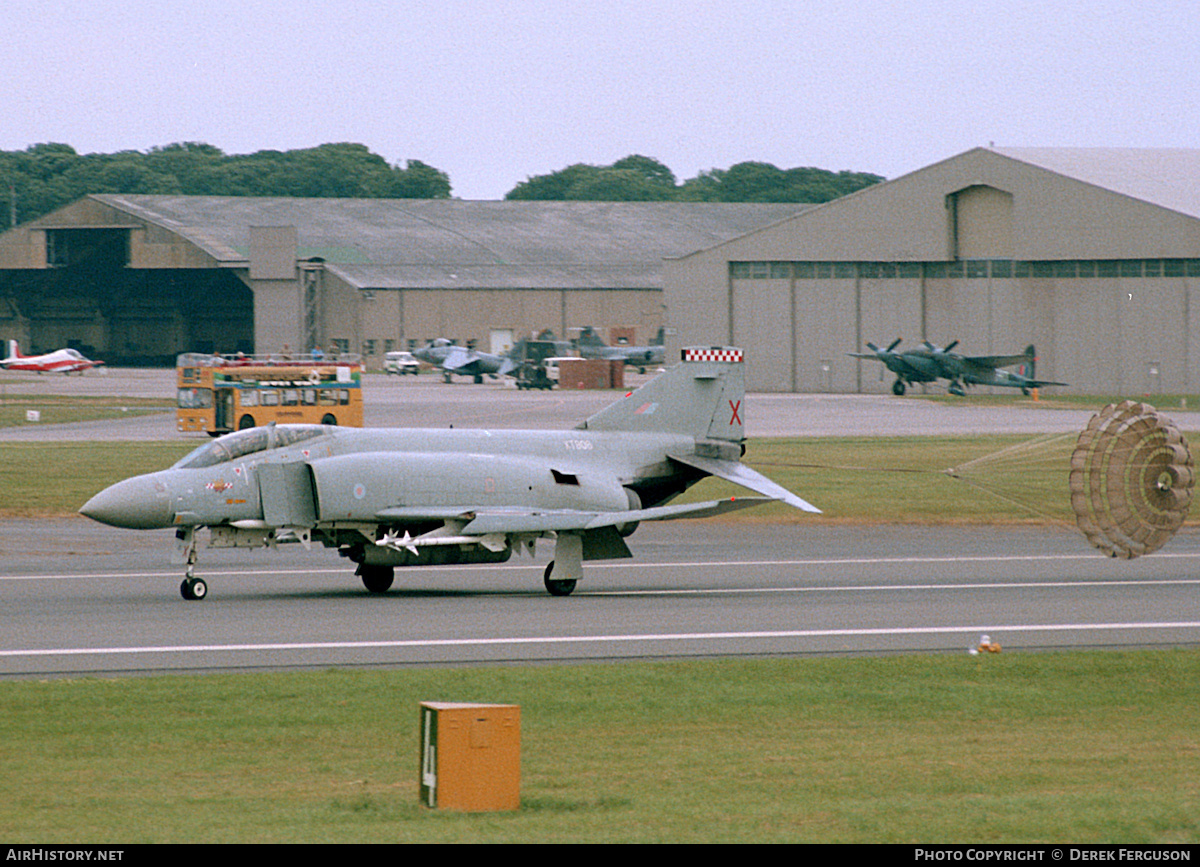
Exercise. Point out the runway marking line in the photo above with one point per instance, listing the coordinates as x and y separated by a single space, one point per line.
641 564
969 629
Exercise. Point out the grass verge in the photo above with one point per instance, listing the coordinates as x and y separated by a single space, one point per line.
1002 478
1065 747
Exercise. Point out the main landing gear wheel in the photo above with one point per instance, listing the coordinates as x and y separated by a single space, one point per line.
898 388
193 588
377 579
557 588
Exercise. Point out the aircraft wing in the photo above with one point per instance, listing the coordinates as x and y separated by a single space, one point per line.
483 521
740 474
458 358
563 520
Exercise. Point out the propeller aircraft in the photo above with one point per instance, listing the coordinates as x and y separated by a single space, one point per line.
930 363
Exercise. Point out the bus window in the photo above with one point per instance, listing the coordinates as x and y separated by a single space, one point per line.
308 397
195 398
270 398
291 397
249 397
344 397
328 397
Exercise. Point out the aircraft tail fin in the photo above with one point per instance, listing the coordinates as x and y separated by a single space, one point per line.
702 397
1028 366
589 337
13 352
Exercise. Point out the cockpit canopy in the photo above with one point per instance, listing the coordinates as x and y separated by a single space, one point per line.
246 442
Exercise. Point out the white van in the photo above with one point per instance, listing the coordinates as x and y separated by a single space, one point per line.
400 363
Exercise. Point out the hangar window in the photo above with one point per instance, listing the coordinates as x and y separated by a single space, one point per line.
1064 269
1193 267
1131 267
105 249
977 269
1153 267
908 270
1002 268
805 270
1106 268
1173 267
1087 269
781 270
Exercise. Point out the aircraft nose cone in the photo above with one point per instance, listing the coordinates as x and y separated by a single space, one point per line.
140 503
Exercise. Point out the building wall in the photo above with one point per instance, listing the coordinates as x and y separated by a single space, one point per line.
377 319
982 249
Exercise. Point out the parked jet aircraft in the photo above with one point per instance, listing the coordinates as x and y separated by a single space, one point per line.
931 363
590 345
389 498
455 359
58 361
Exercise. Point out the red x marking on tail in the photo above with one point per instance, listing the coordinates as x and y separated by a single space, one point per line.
734 417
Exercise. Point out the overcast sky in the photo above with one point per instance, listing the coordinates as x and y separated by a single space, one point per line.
496 91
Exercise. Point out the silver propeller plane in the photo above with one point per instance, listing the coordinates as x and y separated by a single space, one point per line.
386 498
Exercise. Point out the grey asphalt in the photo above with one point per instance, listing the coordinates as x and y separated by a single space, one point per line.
77 597
427 402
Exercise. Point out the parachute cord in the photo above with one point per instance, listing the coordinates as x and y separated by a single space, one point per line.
1009 500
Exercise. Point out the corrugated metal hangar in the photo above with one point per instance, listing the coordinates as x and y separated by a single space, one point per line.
138 279
1090 254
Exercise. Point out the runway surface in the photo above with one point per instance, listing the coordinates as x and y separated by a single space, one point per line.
77 597
80 598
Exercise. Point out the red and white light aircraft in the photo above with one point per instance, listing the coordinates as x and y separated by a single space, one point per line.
58 361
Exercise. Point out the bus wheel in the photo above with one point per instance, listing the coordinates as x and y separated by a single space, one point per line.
246 421
328 419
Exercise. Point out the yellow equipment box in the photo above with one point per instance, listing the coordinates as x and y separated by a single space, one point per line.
470 756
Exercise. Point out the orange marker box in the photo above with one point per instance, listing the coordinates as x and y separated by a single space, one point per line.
470 756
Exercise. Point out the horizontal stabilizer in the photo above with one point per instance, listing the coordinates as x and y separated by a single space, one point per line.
740 474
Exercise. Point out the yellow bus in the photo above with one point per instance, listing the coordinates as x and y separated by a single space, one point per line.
218 395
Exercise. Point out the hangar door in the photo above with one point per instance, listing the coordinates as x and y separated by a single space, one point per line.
762 325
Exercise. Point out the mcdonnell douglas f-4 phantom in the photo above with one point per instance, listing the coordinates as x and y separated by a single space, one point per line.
401 497
931 363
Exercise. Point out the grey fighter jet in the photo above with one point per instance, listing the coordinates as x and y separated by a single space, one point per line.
591 345
406 497
455 359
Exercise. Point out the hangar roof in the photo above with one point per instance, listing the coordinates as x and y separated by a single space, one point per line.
1066 203
1167 177
435 243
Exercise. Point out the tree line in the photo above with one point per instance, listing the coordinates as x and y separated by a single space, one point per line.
637 178
44 177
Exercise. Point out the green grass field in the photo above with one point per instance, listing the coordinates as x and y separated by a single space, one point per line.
1064 747
1011 747
61 409
1001 479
